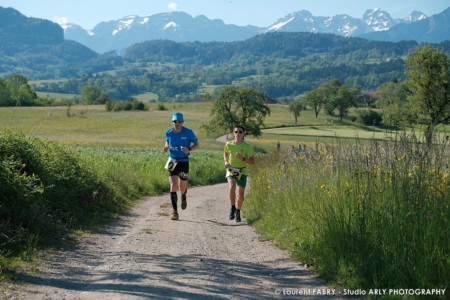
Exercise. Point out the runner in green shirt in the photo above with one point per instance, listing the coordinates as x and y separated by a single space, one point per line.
237 155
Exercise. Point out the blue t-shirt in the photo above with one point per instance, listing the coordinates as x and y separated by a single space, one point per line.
184 138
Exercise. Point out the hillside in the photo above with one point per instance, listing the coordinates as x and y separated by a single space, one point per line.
37 48
283 64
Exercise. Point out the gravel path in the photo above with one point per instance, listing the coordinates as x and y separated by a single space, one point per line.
145 255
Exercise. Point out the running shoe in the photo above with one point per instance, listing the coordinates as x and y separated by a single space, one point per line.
174 215
232 214
238 216
183 201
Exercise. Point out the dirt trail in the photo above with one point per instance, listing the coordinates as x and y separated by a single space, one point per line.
145 255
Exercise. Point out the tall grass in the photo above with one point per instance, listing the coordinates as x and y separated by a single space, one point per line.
365 216
46 191
136 172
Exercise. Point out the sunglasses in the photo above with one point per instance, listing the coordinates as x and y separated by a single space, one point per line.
177 121
238 131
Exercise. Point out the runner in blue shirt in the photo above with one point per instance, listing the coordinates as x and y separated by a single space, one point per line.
180 141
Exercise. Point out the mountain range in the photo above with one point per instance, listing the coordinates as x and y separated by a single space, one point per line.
38 49
376 24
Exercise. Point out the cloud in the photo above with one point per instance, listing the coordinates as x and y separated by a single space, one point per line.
172 6
62 21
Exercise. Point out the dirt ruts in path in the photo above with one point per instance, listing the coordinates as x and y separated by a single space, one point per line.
145 255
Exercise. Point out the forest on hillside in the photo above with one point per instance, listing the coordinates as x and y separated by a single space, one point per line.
281 64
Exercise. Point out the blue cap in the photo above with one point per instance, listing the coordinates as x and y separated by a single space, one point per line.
178 117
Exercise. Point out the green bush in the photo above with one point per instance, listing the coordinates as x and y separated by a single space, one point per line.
21 206
128 105
369 117
46 191
161 107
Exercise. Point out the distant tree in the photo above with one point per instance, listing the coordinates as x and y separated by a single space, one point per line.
367 100
5 95
392 102
345 98
296 107
16 80
19 90
428 78
93 95
316 100
245 106
328 91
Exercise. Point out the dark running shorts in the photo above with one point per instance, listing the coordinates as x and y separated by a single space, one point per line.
181 170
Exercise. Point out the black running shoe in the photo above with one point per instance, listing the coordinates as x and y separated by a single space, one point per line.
183 201
238 216
232 214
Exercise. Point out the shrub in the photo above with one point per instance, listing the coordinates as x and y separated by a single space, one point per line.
46 191
128 105
161 107
369 117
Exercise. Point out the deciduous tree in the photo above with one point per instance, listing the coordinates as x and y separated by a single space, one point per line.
93 95
296 107
392 102
19 90
246 106
316 100
345 98
428 78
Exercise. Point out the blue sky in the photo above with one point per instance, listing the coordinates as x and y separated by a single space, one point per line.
88 13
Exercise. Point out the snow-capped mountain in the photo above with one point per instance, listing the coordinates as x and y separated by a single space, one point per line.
177 26
378 20
304 21
181 27
373 20
413 17
434 29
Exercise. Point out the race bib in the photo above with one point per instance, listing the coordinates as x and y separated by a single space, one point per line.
235 172
171 164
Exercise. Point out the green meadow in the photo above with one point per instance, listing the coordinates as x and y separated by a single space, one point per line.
364 207
93 126
80 125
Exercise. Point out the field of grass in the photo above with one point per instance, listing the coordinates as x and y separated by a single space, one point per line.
147 97
94 126
46 81
58 96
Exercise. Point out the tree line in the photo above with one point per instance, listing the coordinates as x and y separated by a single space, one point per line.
423 98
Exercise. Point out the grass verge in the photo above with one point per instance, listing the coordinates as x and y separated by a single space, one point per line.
373 215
